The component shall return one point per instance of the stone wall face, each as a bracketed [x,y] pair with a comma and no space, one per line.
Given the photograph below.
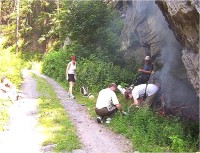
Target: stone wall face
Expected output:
[141,34]
[183,19]
[191,62]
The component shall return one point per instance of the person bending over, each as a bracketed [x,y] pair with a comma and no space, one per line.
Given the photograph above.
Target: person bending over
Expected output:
[107,104]
[143,94]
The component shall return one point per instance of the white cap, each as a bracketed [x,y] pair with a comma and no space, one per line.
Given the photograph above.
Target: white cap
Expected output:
[147,58]
[122,90]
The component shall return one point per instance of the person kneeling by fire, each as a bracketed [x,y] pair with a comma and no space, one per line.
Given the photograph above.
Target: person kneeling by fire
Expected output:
[144,95]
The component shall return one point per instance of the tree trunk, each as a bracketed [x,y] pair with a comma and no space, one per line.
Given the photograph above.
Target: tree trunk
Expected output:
[17,24]
[58,12]
[0,10]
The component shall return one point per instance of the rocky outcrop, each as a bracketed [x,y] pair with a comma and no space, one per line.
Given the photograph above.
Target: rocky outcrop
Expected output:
[163,29]
[191,62]
[139,36]
[183,19]
[168,31]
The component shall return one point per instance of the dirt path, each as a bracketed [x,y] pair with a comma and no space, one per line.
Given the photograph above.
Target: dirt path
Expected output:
[21,135]
[96,138]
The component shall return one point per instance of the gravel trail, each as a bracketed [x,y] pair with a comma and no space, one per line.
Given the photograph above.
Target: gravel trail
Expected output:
[21,134]
[95,138]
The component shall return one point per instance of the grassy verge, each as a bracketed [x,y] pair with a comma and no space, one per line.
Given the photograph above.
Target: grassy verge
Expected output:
[4,113]
[53,118]
[148,131]
[10,66]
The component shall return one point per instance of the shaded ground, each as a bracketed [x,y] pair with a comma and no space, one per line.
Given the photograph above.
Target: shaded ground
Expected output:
[95,138]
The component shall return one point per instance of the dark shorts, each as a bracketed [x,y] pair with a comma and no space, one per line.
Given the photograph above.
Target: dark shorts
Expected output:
[71,78]
[104,112]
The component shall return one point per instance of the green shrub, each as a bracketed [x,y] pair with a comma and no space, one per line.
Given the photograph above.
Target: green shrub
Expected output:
[11,66]
[54,65]
[92,72]
[97,74]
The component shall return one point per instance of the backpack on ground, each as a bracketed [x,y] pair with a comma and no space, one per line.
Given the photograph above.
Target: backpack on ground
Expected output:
[84,91]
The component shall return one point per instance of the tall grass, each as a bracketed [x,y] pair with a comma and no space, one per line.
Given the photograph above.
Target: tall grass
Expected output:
[4,113]
[54,120]
[10,66]
[150,132]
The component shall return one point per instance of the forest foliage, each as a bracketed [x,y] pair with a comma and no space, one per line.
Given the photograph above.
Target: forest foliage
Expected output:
[51,31]
[83,28]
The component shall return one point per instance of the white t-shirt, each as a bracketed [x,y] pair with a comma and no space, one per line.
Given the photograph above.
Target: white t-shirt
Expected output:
[138,91]
[106,98]
[72,68]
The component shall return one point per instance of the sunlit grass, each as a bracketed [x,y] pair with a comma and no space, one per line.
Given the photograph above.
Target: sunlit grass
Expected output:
[54,121]
[148,131]
[4,113]
[10,66]
[89,103]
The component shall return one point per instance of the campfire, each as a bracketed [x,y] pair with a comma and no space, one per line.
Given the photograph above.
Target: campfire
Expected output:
[186,112]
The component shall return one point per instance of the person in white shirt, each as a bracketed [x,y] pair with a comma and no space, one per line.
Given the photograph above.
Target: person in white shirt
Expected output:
[71,75]
[138,94]
[107,104]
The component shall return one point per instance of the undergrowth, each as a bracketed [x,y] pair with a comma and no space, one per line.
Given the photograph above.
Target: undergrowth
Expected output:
[4,113]
[148,131]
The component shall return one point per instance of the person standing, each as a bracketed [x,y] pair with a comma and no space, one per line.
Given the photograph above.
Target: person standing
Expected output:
[107,104]
[71,75]
[145,72]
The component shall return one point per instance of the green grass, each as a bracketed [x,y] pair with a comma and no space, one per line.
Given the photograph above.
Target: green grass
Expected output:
[148,131]
[54,120]
[89,103]
[10,66]
[154,132]
[4,113]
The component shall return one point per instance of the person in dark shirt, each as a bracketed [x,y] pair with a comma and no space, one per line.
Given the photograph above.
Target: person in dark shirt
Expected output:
[145,72]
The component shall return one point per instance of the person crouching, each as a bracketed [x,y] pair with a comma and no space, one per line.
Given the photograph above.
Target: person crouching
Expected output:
[107,104]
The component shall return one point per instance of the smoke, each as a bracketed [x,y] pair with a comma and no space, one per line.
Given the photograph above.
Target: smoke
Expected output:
[174,83]
[173,77]
[173,73]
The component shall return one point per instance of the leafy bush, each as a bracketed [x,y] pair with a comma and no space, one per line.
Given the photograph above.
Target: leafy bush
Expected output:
[11,66]
[92,72]
[97,74]
[54,65]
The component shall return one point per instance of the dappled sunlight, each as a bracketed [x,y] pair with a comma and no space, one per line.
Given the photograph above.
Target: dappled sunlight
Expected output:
[22,132]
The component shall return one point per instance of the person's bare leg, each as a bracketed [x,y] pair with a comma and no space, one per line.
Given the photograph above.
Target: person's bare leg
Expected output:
[71,85]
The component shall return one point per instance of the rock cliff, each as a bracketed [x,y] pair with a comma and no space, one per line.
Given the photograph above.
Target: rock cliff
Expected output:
[168,31]
[183,19]
[163,29]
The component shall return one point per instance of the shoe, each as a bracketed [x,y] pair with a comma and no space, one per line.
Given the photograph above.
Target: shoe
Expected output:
[99,120]
[71,96]
[68,96]
[108,120]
